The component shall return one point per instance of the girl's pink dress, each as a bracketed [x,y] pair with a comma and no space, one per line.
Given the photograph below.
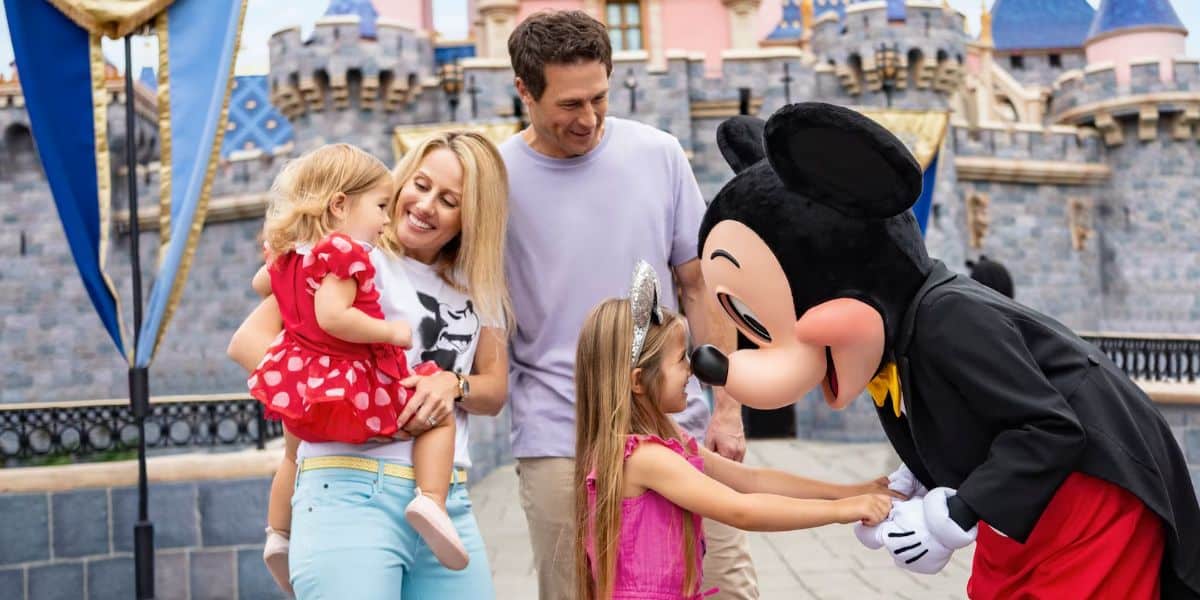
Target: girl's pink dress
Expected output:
[649,563]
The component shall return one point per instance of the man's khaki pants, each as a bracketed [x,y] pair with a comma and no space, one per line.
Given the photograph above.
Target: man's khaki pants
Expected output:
[548,497]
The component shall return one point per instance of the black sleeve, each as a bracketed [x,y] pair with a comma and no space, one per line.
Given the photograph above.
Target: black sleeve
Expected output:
[982,354]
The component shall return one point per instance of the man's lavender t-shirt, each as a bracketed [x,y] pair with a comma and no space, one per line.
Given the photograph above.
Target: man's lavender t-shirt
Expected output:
[576,229]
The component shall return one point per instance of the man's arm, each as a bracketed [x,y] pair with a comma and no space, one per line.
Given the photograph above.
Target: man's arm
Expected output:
[725,434]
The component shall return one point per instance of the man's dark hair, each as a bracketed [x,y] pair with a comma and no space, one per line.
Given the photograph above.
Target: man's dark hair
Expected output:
[992,274]
[556,38]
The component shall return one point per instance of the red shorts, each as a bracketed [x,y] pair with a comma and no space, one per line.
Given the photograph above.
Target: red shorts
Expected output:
[1094,540]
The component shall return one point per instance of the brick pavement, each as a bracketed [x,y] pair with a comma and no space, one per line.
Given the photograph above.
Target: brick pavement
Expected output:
[825,563]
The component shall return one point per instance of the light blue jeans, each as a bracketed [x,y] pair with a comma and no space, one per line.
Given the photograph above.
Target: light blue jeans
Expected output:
[350,540]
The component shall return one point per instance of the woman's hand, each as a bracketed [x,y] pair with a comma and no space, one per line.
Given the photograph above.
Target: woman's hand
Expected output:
[431,401]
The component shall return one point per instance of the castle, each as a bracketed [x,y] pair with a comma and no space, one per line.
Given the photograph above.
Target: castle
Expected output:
[1061,141]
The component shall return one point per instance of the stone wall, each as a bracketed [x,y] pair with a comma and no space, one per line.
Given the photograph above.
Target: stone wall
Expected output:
[1037,69]
[208,533]
[1150,248]
[1029,230]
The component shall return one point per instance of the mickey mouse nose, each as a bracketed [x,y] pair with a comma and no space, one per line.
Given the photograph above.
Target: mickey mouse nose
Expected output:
[710,365]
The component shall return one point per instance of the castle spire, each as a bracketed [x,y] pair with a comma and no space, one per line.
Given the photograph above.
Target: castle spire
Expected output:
[985,25]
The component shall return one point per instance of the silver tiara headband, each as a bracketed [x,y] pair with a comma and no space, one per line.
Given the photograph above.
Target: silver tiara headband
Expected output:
[643,303]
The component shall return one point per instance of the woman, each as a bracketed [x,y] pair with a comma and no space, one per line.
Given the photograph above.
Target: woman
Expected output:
[348,533]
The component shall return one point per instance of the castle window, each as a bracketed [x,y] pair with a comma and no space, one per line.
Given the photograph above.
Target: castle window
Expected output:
[1017,62]
[1056,61]
[625,24]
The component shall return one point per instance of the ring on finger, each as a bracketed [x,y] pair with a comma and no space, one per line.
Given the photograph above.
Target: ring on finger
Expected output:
[431,420]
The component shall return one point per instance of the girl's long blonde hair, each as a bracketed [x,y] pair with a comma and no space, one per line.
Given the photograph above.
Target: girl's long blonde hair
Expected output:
[301,194]
[606,412]
[472,262]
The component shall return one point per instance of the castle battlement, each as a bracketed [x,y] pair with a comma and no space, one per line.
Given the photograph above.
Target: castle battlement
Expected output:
[337,68]
[1028,142]
[1095,98]
[929,46]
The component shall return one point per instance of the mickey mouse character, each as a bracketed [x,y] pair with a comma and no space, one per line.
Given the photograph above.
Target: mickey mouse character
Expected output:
[1032,443]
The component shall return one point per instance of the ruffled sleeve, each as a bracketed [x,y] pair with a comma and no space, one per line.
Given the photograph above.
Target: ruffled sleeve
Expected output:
[340,255]
[632,442]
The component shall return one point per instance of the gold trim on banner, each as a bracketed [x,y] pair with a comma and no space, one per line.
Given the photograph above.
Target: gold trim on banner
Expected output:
[111,18]
[406,137]
[921,130]
[185,264]
[97,64]
[164,137]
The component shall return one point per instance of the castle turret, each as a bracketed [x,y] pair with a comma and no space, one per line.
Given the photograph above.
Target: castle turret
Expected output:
[1128,31]
[1141,94]
[354,79]
[889,54]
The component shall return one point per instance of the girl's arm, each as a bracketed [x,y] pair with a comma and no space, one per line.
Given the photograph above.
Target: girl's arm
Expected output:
[336,314]
[262,282]
[489,377]
[771,481]
[655,467]
[252,338]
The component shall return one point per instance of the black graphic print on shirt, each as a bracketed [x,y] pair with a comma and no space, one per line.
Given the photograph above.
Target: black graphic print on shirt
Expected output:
[446,332]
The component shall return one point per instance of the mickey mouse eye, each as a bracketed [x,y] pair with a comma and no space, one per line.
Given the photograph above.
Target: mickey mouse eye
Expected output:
[743,316]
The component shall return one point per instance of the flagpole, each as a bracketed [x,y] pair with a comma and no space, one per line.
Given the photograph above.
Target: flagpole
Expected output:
[139,387]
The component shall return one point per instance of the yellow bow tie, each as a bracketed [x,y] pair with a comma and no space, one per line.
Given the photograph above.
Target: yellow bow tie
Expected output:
[886,383]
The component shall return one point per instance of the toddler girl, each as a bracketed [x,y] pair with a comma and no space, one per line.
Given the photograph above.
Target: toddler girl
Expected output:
[333,374]
[644,484]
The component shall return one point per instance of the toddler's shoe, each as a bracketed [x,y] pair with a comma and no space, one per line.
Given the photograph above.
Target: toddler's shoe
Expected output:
[275,554]
[434,526]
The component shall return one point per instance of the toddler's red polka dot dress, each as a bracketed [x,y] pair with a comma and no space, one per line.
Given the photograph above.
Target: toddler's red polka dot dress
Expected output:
[325,389]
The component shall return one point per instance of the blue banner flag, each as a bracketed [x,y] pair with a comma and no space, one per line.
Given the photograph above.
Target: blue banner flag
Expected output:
[62,76]
[199,41]
[925,203]
[55,63]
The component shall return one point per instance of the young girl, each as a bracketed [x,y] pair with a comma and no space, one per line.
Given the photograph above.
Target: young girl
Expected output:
[644,485]
[335,372]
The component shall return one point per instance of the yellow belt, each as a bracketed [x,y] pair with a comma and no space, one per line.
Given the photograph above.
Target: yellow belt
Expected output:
[370,465]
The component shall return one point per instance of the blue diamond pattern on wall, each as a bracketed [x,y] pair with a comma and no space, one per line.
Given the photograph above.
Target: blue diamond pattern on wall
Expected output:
[254,123]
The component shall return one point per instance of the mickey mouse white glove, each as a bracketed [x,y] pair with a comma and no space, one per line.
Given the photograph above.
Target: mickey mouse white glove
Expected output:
[903,481]
[921,535]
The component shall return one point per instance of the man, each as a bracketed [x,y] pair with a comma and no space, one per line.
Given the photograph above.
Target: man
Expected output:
[589,197]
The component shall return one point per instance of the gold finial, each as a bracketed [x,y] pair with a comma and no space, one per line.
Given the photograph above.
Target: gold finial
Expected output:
[806,11]
[985,25]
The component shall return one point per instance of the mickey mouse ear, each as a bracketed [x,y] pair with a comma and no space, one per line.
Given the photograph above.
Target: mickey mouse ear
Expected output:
[842,159]
[740,140]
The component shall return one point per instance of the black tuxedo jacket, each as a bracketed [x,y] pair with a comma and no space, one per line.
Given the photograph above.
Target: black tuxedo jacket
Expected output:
[1003,403]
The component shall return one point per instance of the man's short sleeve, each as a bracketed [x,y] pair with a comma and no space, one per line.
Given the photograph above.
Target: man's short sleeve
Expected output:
[689,209]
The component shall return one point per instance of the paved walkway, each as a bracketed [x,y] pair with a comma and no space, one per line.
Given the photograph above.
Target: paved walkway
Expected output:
[825,563]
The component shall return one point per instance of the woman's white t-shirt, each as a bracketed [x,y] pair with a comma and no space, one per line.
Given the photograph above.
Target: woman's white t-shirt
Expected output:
[445,330]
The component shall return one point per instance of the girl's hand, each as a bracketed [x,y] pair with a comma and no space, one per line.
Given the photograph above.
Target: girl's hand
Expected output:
[401,334]
[431,401]
[870,509]
[875,486]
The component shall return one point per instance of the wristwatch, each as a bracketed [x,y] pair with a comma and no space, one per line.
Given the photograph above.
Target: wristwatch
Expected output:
[464,387]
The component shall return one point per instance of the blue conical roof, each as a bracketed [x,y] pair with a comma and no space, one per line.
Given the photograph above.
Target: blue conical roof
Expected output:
[1034,24]
[1115,15]
[363,9]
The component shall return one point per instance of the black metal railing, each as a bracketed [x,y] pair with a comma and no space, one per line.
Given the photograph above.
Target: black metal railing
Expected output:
[1156,357]
[45,433]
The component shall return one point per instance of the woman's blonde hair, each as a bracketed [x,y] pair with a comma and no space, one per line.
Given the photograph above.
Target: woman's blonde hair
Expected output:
[302,192]
[472,262]
[606,412]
